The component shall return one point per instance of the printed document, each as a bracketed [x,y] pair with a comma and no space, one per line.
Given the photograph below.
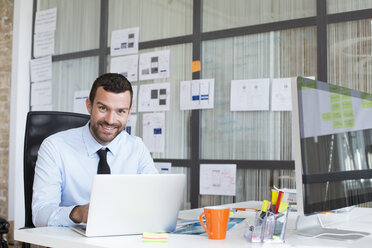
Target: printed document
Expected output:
[45,20]
[197,94]
[154,65]
[218,179]
[126,66]
[250,94]
[154,97]
[41,69]
[153,131]
[124,41]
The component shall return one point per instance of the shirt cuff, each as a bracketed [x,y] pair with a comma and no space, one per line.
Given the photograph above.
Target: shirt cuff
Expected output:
[61,217]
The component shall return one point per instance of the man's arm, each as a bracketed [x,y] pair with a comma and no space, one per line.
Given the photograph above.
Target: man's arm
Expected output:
[47,189]
[146,163]
[79,214]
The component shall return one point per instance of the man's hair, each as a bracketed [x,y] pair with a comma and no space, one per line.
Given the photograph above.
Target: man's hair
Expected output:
[112,82]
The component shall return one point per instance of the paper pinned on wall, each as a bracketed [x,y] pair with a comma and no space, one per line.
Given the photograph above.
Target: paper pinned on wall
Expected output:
[41,93]
[154,97]
[134,100]
[153,131]
[197,94]
[43,44]
[124,41]
[130,127]
[41,69]
[218,179]
[45,20]
[154,65]
[80,98]
[250,94]
[126,66]
[163,168]
[281,99]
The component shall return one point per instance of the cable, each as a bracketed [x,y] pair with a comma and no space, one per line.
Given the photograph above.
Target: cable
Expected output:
[336,234]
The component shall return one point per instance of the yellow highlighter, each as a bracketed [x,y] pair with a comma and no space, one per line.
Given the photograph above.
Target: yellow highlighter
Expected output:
[274,198]
[264,208]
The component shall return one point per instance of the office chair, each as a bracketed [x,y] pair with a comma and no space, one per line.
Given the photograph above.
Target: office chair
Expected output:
[39,125]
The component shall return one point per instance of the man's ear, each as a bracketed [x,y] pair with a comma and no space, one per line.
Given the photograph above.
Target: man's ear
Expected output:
[88,104]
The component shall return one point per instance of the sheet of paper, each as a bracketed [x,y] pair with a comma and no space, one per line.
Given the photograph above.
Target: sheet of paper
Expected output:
[126,66]
[281,99]
[134,99]
[42,107]
[153,131]
[154,65]
[163,168]
[218,179]
[43,44]
[41,93]
[41,69]
[79,101]
[130,127]
[250,94]
[45,20]
[154,97]
[124,41]
[197,94]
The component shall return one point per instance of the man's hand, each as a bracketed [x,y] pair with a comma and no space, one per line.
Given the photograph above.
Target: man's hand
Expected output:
[79,214]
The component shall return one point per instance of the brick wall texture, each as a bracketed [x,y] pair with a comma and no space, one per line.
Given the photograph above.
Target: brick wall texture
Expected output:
[6,29]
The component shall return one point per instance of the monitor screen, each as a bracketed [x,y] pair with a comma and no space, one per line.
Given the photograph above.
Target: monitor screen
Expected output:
[332,135]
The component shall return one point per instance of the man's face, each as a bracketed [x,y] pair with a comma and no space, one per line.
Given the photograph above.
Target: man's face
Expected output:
[108,114]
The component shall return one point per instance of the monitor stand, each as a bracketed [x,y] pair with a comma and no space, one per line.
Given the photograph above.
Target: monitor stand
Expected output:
[312,226]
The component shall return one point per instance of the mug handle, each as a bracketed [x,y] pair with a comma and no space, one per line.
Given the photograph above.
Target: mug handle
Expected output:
[202,223]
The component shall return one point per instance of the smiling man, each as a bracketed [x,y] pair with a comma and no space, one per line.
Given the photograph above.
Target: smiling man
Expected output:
[68,161]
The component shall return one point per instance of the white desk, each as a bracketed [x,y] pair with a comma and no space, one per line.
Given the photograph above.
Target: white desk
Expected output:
[358,219]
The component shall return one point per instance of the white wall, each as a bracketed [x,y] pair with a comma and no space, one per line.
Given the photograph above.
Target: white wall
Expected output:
[19,106]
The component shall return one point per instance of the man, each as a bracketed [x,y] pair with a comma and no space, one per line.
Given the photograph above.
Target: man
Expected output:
[68,161]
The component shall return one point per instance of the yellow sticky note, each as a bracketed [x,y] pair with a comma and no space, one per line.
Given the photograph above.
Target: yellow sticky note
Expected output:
[348,113]
[154,237]
[326,116]
[335,107]
[335,98]
[336,115]
[367,104]
[349,123]
[195,66]
[337,124]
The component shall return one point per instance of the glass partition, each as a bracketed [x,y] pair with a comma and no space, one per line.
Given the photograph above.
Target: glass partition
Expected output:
[337,6]
[70,76]
[157,19]
[77,26]
[264,135]
[221,14]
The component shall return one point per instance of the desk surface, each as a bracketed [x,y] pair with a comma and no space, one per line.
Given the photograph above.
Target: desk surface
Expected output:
[358,219]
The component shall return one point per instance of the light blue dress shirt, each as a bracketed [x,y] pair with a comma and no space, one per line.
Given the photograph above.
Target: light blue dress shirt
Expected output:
[66,165]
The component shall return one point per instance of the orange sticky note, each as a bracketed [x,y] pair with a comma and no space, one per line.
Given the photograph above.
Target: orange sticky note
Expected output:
[195,66]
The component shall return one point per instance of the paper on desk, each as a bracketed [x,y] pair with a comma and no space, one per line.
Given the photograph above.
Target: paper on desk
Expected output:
[45,20]
[41,93]
[124,41]
[126,66]
[197,94]
[41,69]
[281,99]
[130,127]
[154,65]
[218,179]
[250,94]
[153,131]
[43,44]
[154,97]
[80,98]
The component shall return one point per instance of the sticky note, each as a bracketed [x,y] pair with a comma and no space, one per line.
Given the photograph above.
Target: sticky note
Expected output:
[195,66]
[349,123]
[154,237]
[326,116]
[337,124]
[367,104]
[348,113]
[335,107]
[336,115]
[347,105]
[335,98]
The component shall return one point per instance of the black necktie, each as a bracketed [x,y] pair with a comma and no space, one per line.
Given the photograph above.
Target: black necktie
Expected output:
[103,167]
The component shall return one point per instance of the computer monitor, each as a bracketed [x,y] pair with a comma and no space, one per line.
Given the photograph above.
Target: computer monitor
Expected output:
[332,141]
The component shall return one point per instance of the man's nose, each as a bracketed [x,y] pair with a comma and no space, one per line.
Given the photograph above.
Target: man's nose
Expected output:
[110,117]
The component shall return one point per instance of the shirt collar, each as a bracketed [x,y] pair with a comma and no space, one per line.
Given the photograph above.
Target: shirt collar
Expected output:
[92,145]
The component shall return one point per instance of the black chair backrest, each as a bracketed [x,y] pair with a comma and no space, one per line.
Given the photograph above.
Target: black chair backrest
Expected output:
[39,125]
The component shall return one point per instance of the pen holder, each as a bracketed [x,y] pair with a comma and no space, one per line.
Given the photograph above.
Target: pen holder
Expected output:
[267,227]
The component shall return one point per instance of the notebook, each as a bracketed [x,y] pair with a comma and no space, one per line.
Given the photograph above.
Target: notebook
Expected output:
[133,204]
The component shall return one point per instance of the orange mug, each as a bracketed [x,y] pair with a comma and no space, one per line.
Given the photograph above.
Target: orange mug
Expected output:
[216,219]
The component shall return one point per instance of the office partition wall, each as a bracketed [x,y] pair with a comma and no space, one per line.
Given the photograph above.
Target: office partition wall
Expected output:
[236,39]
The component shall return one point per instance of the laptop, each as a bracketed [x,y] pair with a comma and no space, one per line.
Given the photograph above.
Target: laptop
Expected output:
[133,204]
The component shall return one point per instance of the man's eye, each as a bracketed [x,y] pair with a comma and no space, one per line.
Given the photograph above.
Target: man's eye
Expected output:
[102,108]
[122,111]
